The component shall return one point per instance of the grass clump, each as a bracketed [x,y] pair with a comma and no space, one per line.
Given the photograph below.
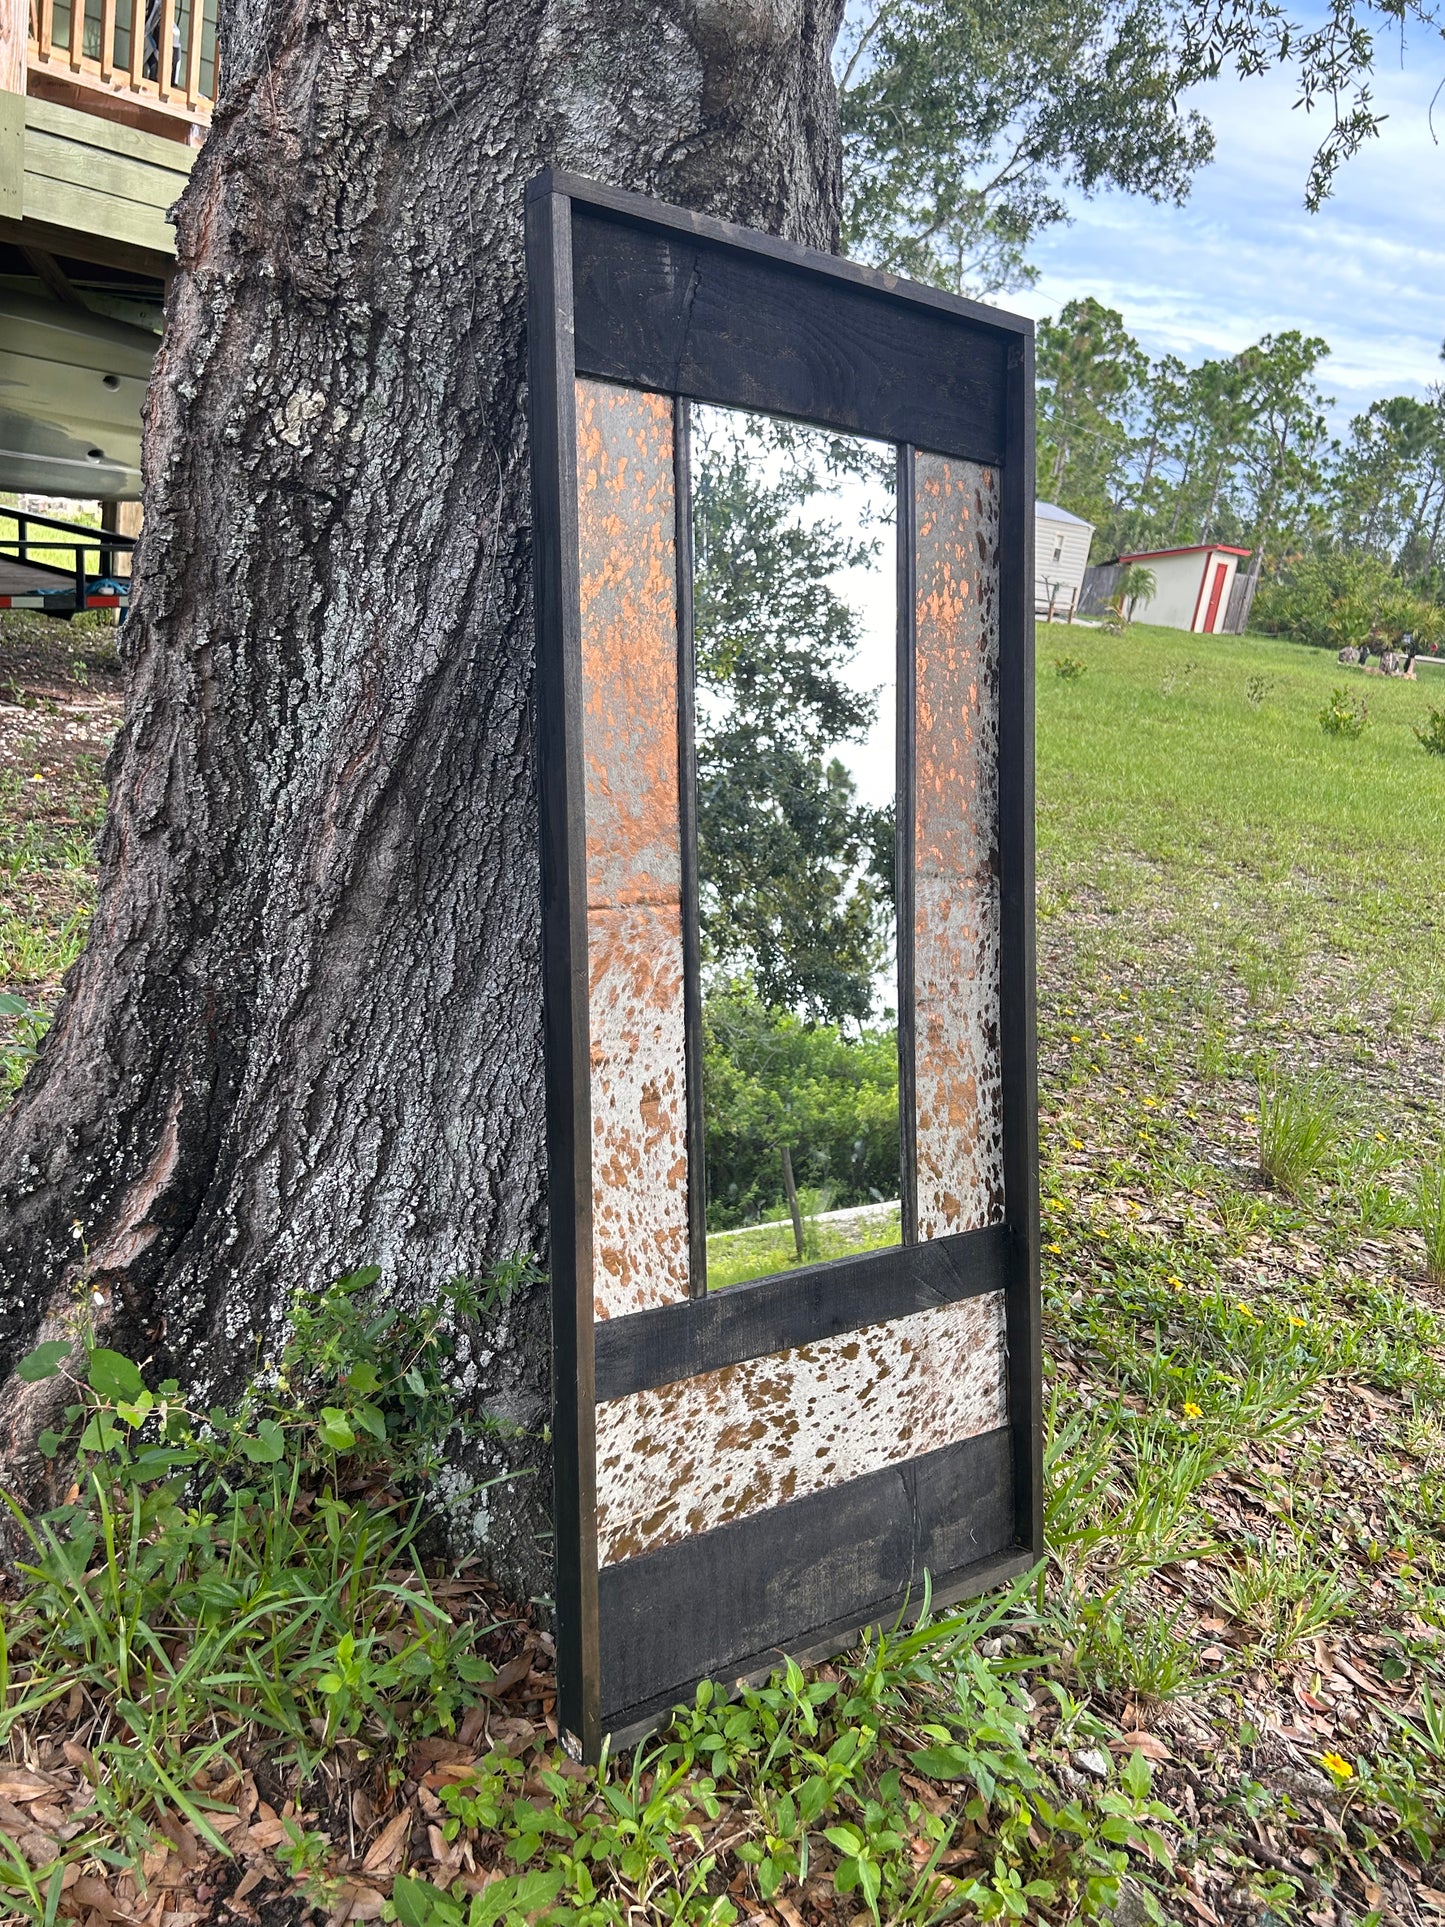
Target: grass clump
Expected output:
[1430,1216]
[1298,1129]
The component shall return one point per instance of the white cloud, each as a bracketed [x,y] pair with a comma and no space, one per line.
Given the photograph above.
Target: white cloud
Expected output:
[1243,257]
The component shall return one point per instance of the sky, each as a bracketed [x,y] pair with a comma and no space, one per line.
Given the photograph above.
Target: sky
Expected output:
[1243,257]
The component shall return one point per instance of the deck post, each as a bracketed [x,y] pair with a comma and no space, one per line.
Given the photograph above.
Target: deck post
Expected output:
[14,35]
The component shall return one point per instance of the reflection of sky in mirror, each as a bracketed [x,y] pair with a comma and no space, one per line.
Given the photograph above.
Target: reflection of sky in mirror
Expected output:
[854,503]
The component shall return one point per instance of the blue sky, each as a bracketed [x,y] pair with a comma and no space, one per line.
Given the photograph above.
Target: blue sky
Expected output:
[1242,257]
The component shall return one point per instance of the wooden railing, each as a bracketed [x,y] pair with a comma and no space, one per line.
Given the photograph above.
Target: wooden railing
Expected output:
[156,56]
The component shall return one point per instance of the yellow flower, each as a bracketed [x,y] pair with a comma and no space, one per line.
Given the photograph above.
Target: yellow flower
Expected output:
[1178,1283]
[1056,1249]
[1074,1037]
[1336,1765]
[1056,1204]
[1298,1323]
[1245,1311]
[1191,1410]
[1076,1144]
[1138,1040]
[1380,1137]
[1149,1103]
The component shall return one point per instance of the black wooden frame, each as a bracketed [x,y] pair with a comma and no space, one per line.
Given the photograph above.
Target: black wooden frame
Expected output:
[629,290]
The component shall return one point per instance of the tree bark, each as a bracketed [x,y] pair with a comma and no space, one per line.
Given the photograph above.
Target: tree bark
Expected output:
[306,1031]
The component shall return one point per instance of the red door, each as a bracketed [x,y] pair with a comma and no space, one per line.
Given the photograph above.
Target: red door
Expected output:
[1221,570]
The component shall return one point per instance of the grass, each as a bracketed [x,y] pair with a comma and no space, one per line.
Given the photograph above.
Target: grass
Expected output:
[1222,1699]
[1298,1127]
[59,703]
[764,1250]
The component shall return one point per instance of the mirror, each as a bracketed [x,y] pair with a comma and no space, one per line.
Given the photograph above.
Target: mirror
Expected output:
[795,644]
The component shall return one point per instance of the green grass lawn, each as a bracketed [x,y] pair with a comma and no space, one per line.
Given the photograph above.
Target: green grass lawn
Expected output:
[1204,755]
[1222,1698]
[1239,951]
[763,1250]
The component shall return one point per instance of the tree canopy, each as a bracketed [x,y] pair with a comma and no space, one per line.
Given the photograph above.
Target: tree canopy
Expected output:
[968,124]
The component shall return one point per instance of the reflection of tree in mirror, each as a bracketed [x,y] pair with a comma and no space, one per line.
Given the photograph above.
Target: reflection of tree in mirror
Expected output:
[795,867]
[774,1082]
[796,873]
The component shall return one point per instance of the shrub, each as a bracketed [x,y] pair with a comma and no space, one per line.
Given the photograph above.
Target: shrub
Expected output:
[1337,601]
[1068,668]
[1432,736]
[772,1079]
[1298,1128]
[1342,716]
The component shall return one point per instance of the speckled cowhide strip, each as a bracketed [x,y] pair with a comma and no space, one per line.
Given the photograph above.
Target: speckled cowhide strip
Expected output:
[693,1455]
[956,897]
[628,573]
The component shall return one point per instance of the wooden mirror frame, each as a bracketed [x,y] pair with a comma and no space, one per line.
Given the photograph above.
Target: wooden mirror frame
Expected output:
[625,293]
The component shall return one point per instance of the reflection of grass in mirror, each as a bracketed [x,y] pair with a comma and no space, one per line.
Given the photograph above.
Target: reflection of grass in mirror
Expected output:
[763,1250]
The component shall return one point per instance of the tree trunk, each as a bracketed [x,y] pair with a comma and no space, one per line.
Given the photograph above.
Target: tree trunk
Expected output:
[790,1191]
[306,1033]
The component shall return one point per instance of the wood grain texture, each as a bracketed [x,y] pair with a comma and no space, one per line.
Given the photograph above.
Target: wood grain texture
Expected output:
[803,1576]
[690,1457]
[682,314]
[628,592]
[956,922]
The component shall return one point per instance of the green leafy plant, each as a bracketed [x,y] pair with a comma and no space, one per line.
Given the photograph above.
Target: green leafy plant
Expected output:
[1344,715]
[27,1026]
[1431,735]
[1069,668]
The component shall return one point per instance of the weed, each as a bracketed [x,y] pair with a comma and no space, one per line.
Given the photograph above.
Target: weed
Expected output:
[17,1053]
[1282,1595]
[1344,715]
[1431,735]
[1298,1128]
[1256,689]
[1069,668]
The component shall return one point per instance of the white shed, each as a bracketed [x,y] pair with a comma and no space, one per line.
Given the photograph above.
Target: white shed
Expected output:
[1061,554]
[1191,586]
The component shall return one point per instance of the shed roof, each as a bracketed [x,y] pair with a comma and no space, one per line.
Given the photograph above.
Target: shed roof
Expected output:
[1190,548]
[1051,512]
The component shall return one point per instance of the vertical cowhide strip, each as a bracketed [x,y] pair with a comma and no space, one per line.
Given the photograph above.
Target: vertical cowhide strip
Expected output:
[956,895]
[628,572]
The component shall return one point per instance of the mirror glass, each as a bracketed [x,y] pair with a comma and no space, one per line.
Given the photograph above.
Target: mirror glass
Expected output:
[795,628]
